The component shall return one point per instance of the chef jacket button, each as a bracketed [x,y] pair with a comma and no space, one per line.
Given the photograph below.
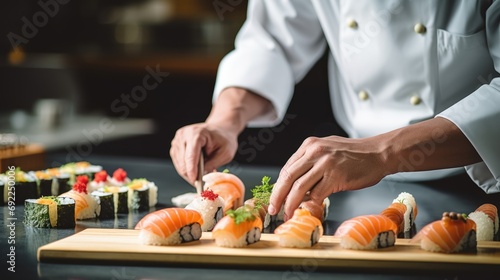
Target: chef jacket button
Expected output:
[415,100]
[419,28]
[363,95]
[351,23]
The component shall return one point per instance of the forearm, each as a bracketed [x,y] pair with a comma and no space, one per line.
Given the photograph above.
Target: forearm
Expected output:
[429,145]
[235,107]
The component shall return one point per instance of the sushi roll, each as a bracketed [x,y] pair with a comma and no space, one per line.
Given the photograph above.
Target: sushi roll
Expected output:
[4,190]
[318,210]
[454,233]
[61,183]
[138,195]
[86,205]
[50,212]
[119,178]
[367,232]
[260,201]
[228,186]
[142,194]
[120,198]
[239,228]
[44,181]
[486,219]
[211,207]
[303,230]
[170,226]
[100,180]
[106,204]
[25,186]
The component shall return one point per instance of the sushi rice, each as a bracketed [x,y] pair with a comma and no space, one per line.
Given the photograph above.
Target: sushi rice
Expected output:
[211,210]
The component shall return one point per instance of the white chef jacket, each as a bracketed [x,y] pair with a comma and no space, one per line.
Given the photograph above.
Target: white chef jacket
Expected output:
[391,64]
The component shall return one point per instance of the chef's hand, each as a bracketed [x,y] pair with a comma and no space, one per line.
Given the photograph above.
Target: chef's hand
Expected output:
[219,147]
[218,135]
[324,166]
[333,164]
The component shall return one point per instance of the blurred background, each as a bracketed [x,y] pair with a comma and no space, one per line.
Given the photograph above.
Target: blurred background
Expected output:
[78,77]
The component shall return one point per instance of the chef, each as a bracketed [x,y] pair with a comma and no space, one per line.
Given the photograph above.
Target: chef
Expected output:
[413,83]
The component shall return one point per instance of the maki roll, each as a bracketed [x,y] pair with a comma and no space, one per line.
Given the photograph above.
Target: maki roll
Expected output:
[25,186]
[44,181]
[142,194]
[50,212]
[211,207]
[86,205]
[4,190]
[100,180]
[138,195]
[454,233]
[61,183]
[239,228]
[106,204]
[120,198]
[119,178]
[170,226]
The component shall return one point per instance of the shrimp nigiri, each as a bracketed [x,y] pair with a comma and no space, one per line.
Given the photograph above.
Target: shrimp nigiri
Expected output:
[367,232]
[170,226]
[228,186]
[454,233]
[486,218]
[302,230]
[238,228]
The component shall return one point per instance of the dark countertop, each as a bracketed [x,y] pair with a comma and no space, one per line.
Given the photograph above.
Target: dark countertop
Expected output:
[457,194]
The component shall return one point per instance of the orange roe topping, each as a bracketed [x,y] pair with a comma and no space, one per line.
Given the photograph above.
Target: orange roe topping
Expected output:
[101,176]
[209,194]
[81,184]
[120,175]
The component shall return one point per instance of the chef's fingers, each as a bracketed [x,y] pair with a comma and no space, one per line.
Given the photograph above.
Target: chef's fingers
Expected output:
[192,155]
[300,187]
[286,179]
[177,155]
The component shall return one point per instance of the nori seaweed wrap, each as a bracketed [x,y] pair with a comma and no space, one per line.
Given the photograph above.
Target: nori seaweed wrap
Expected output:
[50,212]
[138,195]
[25,186]
[120,198]
[106,204]
[44,181]
[61,183]
[3,192]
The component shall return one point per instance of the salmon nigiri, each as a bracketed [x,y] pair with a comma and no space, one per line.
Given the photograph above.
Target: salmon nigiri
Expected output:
[238,228]
[452,234]
[170,226]
[396,212]
[486,219]
[302,230]
[367,232]
[230,188]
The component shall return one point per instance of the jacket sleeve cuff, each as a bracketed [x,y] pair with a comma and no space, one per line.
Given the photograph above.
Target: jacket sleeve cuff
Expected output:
[477,117]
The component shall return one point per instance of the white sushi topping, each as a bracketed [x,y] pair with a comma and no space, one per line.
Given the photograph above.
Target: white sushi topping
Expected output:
[484,226]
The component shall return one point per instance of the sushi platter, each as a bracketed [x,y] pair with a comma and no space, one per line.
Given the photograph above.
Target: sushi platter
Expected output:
[122,246]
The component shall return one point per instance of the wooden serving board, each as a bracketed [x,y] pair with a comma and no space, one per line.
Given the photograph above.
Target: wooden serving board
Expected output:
[121,246]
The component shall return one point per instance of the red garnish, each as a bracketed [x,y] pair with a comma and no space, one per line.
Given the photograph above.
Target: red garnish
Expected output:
[101,176]
[120,175]
[81,184]
[209,194]
[83,178]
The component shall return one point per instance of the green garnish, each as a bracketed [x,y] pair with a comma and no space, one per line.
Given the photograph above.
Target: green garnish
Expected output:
[225,171]
[262,193]
[242,214]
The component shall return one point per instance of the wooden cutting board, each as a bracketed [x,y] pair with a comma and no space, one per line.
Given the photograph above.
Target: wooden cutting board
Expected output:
[121,246]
